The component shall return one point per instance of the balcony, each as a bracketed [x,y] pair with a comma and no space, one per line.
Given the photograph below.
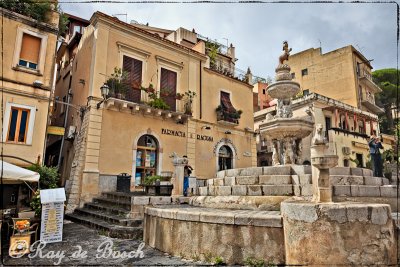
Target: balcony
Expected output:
[366,79]
[228,118]
[339,131]
[139,102]
[368,100]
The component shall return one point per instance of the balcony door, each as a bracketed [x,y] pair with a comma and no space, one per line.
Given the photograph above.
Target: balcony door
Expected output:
[133,68]
[168,87]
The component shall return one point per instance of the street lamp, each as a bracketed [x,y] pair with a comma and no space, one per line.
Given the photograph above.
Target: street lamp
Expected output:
[104,92]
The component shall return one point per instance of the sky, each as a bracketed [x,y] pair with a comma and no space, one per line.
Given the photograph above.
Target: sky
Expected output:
[257,30]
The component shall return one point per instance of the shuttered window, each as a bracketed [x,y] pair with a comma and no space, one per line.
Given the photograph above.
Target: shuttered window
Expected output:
[133,68]
[30,49]
[18,126]
[168,84]
[226,102]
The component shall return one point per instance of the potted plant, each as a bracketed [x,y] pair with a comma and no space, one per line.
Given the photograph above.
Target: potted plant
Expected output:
[118,83]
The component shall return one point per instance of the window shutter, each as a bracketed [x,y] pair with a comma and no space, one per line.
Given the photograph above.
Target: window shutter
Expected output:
[134,69]
[168,82]
[30,48]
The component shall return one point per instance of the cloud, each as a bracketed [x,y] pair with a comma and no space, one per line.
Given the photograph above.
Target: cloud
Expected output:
[257,30]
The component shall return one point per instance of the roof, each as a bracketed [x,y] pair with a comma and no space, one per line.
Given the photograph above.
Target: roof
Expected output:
[85,21]
[154,36]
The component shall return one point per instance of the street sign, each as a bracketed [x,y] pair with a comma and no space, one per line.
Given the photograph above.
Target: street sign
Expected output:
[56,130]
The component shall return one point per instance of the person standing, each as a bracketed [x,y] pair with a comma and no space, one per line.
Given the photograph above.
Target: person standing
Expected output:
[187,170]
[374,146]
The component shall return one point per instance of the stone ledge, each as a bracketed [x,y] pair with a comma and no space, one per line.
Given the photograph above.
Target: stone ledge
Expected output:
[275,179]
[218,216]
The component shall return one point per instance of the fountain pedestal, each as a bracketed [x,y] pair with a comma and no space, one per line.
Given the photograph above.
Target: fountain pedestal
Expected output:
[338,234]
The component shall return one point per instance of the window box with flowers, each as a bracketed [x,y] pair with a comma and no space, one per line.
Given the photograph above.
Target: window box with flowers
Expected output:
[230,116]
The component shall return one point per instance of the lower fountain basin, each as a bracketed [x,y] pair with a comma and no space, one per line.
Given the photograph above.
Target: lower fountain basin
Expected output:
[281,128]
[325,161]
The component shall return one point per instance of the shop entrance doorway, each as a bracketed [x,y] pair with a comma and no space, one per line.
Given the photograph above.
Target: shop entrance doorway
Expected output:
[146,158]
[225,158]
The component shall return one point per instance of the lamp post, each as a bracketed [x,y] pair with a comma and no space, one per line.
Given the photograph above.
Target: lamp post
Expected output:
[104,92]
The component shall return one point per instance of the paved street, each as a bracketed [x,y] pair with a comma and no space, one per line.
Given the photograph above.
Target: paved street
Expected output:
[89,240]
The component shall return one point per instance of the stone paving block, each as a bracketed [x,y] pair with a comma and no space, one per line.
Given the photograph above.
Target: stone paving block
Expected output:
[275,179]
[341,190]
[367,172]
[277,170]
[210,181]
[277,190]
[201,182]
[385,181]
[160,200]
[258,219]
[188,215]
[251,171]
[340,171]
[305,179]
[218,181]
[203,191]
[368,180]
[232,172]
[356,171]
[140,200]
[346,180]
[217,217]
[357,213]
[306,190]
[247,180]
[230,181]
[301,169]
[365,191]
[388,191]
[379,215]
[211,190]
[239,190]
[223,190]
[254,190]
[221,174]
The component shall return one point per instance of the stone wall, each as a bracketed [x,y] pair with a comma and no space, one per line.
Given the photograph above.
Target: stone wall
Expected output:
[208,235]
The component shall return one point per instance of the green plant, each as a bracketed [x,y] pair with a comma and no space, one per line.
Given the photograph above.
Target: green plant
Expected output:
[208,257]
[196,257]
[213,50]
[252,262]
[48,176]
[149,180]
[158,103]
[118,82]
[62,23]
[218,260]
[35,203]
[32,8]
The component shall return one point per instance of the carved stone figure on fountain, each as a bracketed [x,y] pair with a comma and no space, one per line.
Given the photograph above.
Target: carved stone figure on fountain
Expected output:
[275,155]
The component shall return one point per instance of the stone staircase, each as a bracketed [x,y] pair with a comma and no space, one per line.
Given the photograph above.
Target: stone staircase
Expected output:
[111,214]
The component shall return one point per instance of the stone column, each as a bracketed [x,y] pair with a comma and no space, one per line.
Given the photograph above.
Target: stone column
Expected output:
[177,180]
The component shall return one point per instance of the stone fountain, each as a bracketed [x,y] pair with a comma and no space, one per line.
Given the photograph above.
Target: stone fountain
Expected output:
[283,130]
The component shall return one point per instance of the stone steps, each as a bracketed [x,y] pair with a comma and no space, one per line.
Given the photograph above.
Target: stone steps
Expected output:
[387,191]
[111,218]
[110,202]
[247,190]
[112,230]
[106,208]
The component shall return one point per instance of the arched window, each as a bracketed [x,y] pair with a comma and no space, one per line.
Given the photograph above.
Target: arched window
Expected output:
[225,158]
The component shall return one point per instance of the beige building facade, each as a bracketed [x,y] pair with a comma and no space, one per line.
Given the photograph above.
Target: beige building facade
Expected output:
[125,134]
[27,78]
[343,74]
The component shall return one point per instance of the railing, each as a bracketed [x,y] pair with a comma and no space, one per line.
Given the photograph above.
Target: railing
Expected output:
[227,117]
[347,132]
[367,96]
[140,97]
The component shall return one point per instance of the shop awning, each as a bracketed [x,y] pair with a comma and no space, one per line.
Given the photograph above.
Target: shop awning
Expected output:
[13,174]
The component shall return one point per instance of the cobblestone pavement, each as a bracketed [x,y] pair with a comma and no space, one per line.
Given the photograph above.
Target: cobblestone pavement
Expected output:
[75,235]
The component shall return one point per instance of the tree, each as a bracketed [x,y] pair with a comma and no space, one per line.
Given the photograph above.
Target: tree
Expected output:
[386,79]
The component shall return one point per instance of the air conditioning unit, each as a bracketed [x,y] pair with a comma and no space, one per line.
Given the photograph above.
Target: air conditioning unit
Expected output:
[71,132]
[346,150]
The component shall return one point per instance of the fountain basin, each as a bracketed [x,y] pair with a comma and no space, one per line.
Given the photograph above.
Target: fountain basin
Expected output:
[283,89]
[280,128]
[325,161]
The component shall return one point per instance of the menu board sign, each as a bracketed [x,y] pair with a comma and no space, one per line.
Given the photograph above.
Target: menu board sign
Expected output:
[52,222]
